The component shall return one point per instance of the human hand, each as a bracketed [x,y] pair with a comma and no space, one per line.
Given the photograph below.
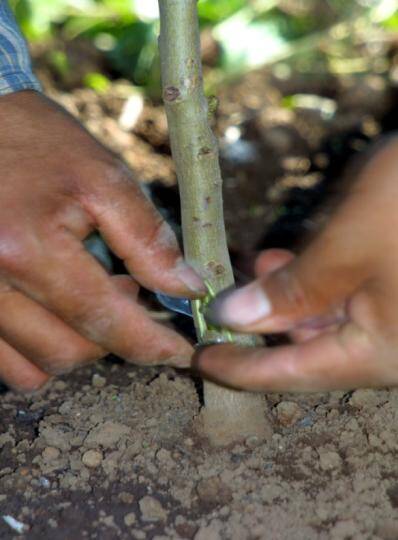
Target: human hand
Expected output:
[338,300]
[59,308]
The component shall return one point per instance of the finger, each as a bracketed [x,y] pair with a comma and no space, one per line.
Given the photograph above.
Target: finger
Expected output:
[74,286]
[126,285]
[137,234]
[17,372]
[41,336]
[278,301]
[45,339]
[341,360]
[266,262]
[306,287]
[271,259]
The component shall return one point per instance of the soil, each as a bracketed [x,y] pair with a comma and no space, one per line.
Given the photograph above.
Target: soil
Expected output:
[115,451]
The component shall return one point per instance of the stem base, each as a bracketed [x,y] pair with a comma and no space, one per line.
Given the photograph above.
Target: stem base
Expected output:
[231,416]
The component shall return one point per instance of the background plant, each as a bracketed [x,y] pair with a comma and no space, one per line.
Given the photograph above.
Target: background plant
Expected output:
[249,33]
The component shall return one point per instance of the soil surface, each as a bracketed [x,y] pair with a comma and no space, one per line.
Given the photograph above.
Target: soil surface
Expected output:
[115,451]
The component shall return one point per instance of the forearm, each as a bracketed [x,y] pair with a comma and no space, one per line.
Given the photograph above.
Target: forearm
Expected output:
[15,65]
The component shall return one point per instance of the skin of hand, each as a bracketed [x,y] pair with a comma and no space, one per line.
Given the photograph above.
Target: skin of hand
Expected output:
[338,299]
[59,307]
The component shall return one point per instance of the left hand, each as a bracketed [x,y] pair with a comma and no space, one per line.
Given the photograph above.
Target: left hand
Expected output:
[338,300]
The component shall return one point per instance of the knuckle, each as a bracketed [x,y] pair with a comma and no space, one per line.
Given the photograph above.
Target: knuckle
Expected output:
[159,236]
[110,185]
[93,321]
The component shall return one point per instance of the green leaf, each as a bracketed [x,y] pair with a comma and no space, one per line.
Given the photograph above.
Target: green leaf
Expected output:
[391,23]
[211,11]
[97,82]
[60,62]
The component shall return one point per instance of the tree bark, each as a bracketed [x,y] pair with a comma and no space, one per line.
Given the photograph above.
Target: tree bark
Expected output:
[228,415]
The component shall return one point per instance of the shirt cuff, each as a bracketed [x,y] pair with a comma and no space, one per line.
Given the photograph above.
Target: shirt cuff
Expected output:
[18,81]
[15,65]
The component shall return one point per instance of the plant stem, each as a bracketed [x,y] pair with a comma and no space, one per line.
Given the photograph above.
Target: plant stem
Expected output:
[228,415]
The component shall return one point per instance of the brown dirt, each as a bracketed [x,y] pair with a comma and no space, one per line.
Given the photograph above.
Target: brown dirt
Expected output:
[113,451]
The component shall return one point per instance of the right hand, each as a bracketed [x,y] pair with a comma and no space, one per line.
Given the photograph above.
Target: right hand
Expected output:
[59,308]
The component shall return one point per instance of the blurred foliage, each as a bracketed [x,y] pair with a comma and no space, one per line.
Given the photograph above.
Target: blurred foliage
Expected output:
[249,32]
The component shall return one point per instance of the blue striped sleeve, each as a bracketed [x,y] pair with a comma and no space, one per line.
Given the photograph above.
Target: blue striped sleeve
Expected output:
[15,65]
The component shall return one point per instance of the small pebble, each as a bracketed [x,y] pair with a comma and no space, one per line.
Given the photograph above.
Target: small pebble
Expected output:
[129,519]
[45,482]
[109,521]
[252,442]
[97,381]
[209,532]
[60,385]
[329,460]
[139,535]
[151,509]
[213,491]
[288,413]
[50,453]
[92,458]
[165,457]
[365,398]
[125,497]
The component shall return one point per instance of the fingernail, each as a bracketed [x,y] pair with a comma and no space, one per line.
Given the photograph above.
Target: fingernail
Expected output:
[240,307]
[187,275]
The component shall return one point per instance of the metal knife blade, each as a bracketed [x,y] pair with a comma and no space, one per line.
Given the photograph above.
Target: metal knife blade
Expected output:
[178,305]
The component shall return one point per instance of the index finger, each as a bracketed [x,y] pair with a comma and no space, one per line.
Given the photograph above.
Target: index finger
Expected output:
[136,232]
[341,360]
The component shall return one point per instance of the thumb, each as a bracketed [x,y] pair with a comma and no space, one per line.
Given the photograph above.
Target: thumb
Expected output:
[337,262]
[293,291]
